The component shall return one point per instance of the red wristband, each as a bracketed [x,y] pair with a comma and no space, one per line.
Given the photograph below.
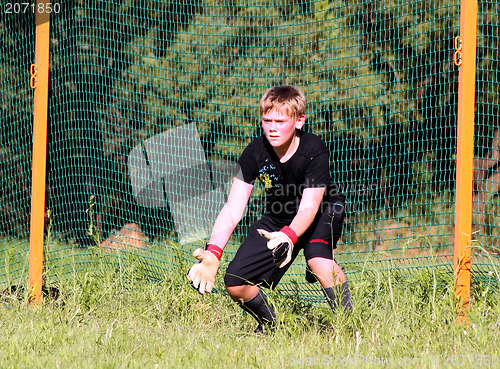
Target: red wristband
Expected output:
[214,249]
[290,233]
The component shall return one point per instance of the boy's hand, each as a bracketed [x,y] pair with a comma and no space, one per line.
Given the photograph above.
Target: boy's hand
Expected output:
[202,273]
[280,244]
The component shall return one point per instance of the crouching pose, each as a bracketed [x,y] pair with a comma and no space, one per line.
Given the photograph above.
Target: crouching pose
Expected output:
[303,212]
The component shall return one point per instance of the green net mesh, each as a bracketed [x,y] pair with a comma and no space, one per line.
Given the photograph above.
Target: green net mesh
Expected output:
[152,102]
[486,150]
[17,35]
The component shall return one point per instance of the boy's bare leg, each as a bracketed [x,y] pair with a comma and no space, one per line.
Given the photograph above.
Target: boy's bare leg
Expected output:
[242,293]
[327,272]
[334,283]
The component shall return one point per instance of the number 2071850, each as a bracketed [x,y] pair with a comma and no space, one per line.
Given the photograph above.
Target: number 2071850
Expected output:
[22,8]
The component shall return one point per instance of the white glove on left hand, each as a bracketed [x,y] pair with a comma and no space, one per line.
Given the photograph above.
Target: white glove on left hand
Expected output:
[202,274]
[280,244]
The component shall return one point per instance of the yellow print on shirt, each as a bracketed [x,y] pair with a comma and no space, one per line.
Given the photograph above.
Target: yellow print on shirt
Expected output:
[266,180]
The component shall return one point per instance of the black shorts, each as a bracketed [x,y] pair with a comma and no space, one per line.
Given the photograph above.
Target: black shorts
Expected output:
[253,262]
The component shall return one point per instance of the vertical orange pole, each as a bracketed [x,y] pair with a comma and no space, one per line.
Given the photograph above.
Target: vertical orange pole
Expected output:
[40,82]
[465,57]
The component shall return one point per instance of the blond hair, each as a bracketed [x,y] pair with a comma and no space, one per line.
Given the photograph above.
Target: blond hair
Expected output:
[287,99]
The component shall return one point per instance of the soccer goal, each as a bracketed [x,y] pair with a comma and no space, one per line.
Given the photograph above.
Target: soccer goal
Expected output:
[148,105]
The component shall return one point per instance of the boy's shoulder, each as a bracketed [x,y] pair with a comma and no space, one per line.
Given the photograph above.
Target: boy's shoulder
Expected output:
[254,150]
[311,137]
[312,143]
[256,145]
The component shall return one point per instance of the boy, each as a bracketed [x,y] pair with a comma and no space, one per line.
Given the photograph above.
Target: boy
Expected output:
[303,212]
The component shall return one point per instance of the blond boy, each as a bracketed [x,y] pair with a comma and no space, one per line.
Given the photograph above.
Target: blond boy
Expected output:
[303,212]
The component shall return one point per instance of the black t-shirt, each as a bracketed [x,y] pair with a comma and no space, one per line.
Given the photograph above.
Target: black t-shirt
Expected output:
[285,182]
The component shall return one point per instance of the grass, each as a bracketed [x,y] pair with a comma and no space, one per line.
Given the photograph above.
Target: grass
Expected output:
[115,316]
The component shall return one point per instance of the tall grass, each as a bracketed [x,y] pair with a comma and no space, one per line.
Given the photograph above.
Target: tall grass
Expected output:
[118,318]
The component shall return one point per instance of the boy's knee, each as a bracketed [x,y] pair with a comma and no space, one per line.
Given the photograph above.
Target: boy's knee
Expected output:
[317,263]
[242,293]
[232,291]
[315,268]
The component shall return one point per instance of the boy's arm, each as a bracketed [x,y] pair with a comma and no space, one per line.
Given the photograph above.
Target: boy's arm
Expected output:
[308,208]
[202,273]
[231,213]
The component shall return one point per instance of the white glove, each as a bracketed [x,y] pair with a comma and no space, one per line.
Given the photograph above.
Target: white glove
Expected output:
[280,244]
[202,273]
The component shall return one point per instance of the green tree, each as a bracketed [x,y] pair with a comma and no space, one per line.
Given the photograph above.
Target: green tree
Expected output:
[378,75]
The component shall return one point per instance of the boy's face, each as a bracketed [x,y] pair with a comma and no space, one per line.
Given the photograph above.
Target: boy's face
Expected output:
[279,128]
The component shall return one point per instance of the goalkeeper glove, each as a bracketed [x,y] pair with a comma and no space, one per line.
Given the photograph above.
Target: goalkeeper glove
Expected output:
[281,244]
[202,273]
